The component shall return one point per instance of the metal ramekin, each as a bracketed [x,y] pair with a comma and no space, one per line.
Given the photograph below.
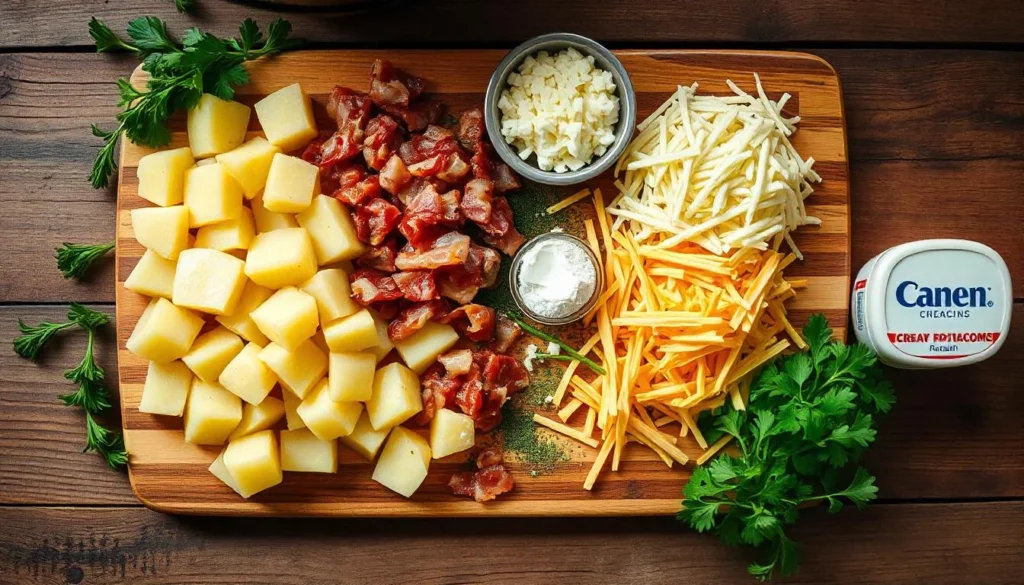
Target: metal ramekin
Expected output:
[513,280]
[604,59]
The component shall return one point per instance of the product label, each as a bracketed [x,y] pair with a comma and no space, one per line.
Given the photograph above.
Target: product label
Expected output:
[859,289]
[944,304]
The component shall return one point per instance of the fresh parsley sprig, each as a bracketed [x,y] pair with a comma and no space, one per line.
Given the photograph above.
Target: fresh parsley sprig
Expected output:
[185,6]
[74,260]
[180,73]
[809,418]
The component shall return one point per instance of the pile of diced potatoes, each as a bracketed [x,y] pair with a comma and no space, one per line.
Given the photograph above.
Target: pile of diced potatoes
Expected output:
[248,264]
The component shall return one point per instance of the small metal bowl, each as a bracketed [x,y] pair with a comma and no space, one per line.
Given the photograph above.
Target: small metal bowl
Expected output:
[604,59]
[513,281]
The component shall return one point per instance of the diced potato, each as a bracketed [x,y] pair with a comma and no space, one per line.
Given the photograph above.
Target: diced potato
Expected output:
[211,414]
[403,463]
[333,232]
[350,376]
[239,322]
[291,184]
[301,450]
[254,462]
[211,195]
[247,377]
[384,343]
[166,389]
[299,370]
[451,432]
[291,406]
[211,352]
[258,417]
[364,439]
[233,234]
[216,125]
[326,418]
[288,317]
[164,332]
[162,229]
[287,118]
[268,221]
[330,288]
[153,276]
[249,164]
[209,281]
[321,341]
[353,333]
[280,258]
[420,350]
[396,396]
[162,176]
[221,472]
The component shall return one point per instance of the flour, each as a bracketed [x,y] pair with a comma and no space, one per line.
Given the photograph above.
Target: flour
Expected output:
[556,278]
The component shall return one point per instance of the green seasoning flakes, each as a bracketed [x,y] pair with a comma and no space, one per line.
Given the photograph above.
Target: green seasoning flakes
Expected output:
[519,435]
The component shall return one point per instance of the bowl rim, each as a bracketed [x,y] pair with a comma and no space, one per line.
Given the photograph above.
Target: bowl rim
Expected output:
[624,91]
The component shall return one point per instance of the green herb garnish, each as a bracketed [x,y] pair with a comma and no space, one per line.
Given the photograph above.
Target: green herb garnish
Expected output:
[185,6]
[807,423]
[571,353]
[74,260]
[180,73]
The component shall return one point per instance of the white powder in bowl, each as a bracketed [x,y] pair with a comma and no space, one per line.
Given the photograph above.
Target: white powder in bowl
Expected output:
[556,277]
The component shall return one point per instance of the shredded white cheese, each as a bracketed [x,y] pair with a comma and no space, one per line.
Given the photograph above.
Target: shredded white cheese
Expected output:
[531,354]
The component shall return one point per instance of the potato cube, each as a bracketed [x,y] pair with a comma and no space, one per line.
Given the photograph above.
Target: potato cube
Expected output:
[162,229]
[420,350]
[166,389]
[330,288]
[247,377]
[364,439]
[239,322]
[288,317]
[280,258]
[153,276]
[254,462]
[450,432]
[249,164]
[287,118]
[299,370]
[301,450]
[221,472]
[291,184]
[258,417]
[211,195]
[233,234]
[211,352]
[403,463]
[291,406]
[216,125]
[333,232]
[268,221]
[326,418]
[211,414]
[396,396]
[350,376]
[384,343]
[208,280]
[353,333]
[162,176]
[164,332]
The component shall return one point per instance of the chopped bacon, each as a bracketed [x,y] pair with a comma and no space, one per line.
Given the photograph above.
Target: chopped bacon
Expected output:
[475,322]
[500,232]
[476,200]
[417,285]
[509,243]
[506,332]
[387,310]
[470,397]
[381,257]
[428,167]
[503,371]
[488,457]
[341,146]
[394,175]
[349,106]
[412,318]
[359,193]
[311,153]
[438,389]
[491,267]
[392,86]
[375,220]
[461,283]
[489,481]
[471,129]
[434,141]
[457,361]
[490,414]
[428,206]
[371,286]
[456,290]
[485,166]
[418,116]
[383,137]
[453,169]
[420,232]
[448,250]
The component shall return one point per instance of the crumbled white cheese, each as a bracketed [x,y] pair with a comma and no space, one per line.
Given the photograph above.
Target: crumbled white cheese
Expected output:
[554,348]
[549,399]
[562,108]
[531,354]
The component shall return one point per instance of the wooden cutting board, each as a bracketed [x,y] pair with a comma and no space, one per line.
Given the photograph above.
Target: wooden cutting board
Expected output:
[169,475]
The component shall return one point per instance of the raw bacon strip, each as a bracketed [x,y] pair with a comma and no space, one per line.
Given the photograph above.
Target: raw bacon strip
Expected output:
[475,322]
[395,175]
[380,257]
[448,250]
[412,318]
[457,362]
[506,332]
[417,285]
[477,198]
[375,220]
[391,86]
[371,286]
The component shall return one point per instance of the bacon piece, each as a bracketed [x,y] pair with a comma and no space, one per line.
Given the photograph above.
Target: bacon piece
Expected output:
[433,207]
[375,220]
[470,397]
[392,86]
[438,390]
[311,153]
[381,257]
[360,192]
[500,232]
[489,416]
[475,322]
[503,371]
[491,267]
[418,116]
[347,106]
[387,310]
[476,200]
[506,332]
[412,318]
[488,457]
[453,168]
[486,166]
[448,250]
[394,175]
[483,485]
[459,292]
[508,243]
[417,285]
[428,167]
[420,232]
[457,362]
[383,137]
[341,146]
[461,283]
[471,129]
[371,286]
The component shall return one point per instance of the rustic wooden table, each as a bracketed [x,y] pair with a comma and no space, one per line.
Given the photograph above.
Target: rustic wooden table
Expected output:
[934,95]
